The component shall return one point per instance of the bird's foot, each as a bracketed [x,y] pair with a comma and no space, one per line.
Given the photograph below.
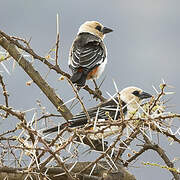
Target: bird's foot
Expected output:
[97,93]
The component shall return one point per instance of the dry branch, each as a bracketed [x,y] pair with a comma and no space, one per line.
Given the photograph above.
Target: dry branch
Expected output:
[44,151]
[162,154]
[51,172]
[29,50]
[36,77]
[5,93]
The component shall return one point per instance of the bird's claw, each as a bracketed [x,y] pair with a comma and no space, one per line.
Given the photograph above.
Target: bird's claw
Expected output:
[97,93]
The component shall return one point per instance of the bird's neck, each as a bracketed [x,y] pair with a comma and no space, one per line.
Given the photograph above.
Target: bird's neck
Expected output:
[132,110]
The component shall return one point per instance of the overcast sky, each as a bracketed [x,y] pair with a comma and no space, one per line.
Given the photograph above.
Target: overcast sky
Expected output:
[143,49]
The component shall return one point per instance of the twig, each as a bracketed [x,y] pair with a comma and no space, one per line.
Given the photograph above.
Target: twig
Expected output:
[5,58]
[137,154]
[57,47]
[158,97]
[36,77]
[16,159]
[50,145]
[24,41]
[54,154]
[77,96]
[165,132]
[47,116]
[5,93]
[127,141]
[57,39]
[102,99]
[8,132]
[31,52]
[103,154]
[120,107]
[56,68]
[15,113]
[162,154]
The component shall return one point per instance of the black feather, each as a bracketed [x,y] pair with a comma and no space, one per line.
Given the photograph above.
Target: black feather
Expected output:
[81,119]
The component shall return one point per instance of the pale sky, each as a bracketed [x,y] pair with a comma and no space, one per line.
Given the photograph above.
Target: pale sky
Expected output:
[142,50]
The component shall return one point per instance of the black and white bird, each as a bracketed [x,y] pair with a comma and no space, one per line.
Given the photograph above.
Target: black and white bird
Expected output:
[131,98]
[88,54]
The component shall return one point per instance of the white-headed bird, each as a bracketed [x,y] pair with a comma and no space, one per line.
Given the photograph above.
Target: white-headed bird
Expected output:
[131,98]
[87,58]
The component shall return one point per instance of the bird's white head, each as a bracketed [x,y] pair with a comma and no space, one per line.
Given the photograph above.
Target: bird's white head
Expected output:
[95,28]
[133,96]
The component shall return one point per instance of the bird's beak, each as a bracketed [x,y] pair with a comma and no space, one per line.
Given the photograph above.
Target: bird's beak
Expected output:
[106,30]
[144,95]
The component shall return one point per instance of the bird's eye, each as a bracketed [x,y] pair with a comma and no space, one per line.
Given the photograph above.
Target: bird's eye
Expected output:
[98,28]
[136,93]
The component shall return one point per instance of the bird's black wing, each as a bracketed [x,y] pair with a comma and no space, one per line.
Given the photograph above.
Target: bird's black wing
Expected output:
[110,106]
[87,52]
[99,112]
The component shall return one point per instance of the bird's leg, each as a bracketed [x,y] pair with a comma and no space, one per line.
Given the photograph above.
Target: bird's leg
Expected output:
[97,90]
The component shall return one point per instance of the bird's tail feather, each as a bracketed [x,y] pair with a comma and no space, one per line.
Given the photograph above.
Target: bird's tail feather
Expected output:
[56,128]
[70,124]
[76,76]
[79,78]
[50,130]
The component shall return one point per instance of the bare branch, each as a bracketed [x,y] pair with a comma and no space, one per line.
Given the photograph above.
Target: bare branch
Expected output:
[36,77]
[57,39]
[79,99]
[162,154]
[97,95]
[5,93]
[43,60]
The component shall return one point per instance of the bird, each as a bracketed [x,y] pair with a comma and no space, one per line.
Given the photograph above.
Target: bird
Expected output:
[131,98]
[88,54]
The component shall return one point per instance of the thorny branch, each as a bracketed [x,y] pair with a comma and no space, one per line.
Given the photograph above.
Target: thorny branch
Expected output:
[162,86]
[29,50]
[35,76]
[66,146]
[79,99]
[60,143]
[57,47]
[162,154]
[103,154]
[5,93]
